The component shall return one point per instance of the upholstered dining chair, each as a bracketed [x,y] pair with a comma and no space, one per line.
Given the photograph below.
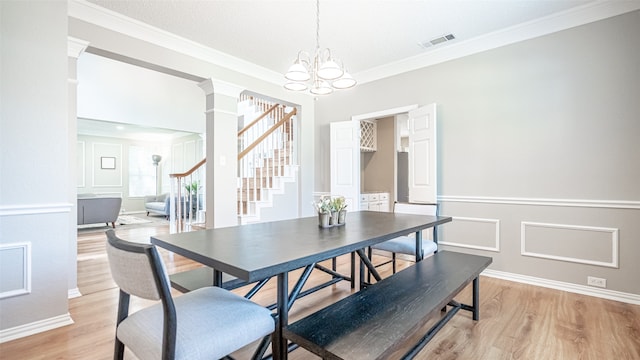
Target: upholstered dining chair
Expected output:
[407,244]
[208,323]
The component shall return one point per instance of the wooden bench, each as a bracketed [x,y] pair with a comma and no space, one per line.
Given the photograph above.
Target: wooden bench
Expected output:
[376,322]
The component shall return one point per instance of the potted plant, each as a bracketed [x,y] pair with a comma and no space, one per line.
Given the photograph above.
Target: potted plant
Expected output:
[339,207]
[323,207]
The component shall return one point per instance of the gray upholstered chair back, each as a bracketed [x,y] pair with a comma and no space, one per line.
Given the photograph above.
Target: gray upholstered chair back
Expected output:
[415,209]
[131,267]
[419,209]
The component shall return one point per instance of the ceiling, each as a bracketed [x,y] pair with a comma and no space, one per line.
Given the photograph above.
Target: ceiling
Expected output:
[364,34]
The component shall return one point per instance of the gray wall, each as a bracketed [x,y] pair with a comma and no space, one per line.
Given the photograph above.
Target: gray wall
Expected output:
[536,122]
[34,161]
[178,155]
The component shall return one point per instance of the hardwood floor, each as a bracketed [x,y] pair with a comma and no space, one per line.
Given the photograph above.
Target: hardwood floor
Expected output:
[517,321]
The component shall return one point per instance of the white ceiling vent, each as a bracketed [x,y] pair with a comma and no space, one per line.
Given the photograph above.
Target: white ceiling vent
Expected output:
[436,41]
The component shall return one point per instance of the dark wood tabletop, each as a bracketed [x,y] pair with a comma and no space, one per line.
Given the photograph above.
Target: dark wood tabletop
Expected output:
[256,251]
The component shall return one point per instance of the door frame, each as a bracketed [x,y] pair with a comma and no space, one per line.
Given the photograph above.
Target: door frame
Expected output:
[379,115]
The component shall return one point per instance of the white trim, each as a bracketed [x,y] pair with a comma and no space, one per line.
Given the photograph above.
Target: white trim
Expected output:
[591,12]
[75,47]
[565,286]
[35,327]
[114,21]
[384,113]
[81,147]
[496,222]
[611,204]
[594,11]
[220,111]
[614,243]
[74,293]
[26,269]
[226,88]
[35,209]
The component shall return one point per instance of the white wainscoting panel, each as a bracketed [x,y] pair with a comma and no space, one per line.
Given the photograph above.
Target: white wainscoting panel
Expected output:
[15,269]
[485,233]
[575,243]
[80,163]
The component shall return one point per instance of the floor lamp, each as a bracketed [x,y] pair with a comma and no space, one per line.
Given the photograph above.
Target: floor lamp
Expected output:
[156,160]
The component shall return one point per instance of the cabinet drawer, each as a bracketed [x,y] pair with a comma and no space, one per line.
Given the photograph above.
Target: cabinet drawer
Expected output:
[374,197]
[384,196]
[364,197]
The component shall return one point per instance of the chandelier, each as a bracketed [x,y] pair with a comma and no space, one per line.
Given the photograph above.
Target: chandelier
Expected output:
[322,74]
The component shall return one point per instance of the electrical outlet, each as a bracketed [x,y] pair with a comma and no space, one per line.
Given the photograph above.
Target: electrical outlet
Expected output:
[594,281]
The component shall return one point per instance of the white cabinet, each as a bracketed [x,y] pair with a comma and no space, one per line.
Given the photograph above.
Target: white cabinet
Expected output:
[374,201]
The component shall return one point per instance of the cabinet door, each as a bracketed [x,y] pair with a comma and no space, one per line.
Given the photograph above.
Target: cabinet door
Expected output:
[374,206]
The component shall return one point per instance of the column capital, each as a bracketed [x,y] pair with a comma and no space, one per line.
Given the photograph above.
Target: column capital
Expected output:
[219,87]
[75,47]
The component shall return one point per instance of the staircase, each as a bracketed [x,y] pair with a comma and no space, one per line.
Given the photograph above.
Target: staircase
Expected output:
[266,164]
[266,154]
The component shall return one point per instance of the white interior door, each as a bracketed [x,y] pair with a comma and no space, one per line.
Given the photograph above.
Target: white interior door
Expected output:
[422,155]
[345,162]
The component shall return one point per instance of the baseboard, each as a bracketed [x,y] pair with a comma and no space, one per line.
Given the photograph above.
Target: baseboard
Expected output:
[35,327]
[564,286]
[74,293]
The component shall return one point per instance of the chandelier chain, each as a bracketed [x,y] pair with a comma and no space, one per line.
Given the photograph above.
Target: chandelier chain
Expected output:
[317,25]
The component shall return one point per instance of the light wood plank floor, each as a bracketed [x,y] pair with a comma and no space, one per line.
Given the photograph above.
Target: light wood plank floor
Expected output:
[517,321]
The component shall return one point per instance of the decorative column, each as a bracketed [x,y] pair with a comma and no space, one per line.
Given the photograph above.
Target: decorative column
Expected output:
[75,47]
[222,152]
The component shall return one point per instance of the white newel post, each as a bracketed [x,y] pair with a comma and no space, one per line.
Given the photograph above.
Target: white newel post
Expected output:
[222,152]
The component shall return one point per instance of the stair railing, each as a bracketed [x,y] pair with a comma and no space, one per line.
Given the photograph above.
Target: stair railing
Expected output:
[270,149]
[188,187]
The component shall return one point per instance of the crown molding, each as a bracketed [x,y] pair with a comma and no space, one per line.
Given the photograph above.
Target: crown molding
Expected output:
[594,11]
[114,21]
[75,47]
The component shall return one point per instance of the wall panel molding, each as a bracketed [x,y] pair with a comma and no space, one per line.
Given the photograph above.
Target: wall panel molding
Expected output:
[16,261]
[35,209]
[80,163]
[614,239]
[114,177]
[611,204]
[495,222]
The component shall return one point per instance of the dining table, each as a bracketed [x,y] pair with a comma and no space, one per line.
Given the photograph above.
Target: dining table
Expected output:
[258,251]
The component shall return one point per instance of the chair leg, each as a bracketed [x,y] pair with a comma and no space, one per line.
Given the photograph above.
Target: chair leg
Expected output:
[118,351]
[393,262]
[370,255]
[353,270]
[123,312]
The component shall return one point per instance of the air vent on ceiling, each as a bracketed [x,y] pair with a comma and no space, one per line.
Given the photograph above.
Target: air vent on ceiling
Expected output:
[436,41]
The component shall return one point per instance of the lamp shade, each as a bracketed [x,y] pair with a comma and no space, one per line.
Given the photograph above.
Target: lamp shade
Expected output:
[345,82]
[330,70]
[297,72]
[296,86]
[321,87]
